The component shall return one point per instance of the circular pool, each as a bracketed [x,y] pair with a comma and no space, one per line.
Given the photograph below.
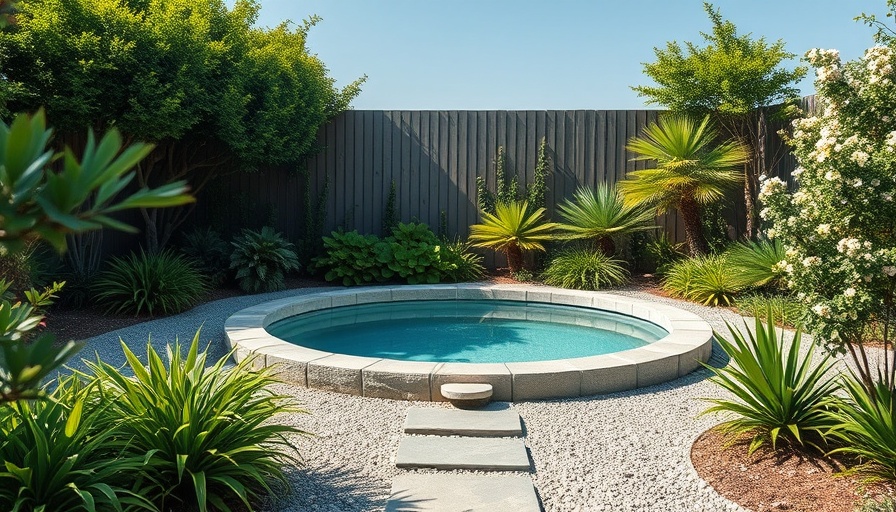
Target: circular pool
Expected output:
[529,342]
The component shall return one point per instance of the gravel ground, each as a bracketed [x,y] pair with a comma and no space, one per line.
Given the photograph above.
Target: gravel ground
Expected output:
[622,452]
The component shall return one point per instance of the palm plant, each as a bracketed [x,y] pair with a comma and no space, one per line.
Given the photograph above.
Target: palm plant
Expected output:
[756,263]
[691,171]
[513,228]
[776,393]
[602,215]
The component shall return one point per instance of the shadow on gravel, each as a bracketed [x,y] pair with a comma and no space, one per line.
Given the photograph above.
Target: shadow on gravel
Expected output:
[329,489]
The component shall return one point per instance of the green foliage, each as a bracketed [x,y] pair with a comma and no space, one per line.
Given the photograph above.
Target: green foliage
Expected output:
[756,264]
[785,309]
[513,228]
[197,77]
[390,212]
[355,259]
[36,204]
[535,191]
[704,279]
[210,252]
[776,393]
[262,259]
[523,276]
[415,253]
[81,265]
[664,252]
[884,504]
[163,283]
[602,216]
[458,263]
[866,426]
[715,227]
[693,169]
[584,269]
[732,75]
[205,434]
[311,245]
[60,454]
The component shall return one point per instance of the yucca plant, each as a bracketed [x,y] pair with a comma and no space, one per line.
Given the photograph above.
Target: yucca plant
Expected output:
[704,279]
[777,393]
[262,259]
[59,454]
[513,228]
[585,269]
[165,283]
[601,215]
[692,170]
[866,425]
[205,433]
[755,263]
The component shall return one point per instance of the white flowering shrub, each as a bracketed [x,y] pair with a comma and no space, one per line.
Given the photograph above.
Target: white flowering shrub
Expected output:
[839,227]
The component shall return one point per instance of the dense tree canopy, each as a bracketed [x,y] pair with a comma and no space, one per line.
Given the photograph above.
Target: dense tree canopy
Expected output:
[734,77]
[195,77]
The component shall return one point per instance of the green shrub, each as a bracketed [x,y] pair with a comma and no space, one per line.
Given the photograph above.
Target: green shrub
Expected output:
[777,394]
[165,283]
[704,279]
[458,263]
[414,253]
[354,258]
[210,252]
[262,259]
[866,426]
[884,504]
[585,269]
[58,454]
[523,276]
[785,309]
[755,264]
[664,253]
[205,434]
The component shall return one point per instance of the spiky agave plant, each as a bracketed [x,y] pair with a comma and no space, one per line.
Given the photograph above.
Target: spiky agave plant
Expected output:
[602,215]
[513,228]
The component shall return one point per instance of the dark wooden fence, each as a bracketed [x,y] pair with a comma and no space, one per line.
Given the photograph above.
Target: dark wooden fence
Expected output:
[434,158]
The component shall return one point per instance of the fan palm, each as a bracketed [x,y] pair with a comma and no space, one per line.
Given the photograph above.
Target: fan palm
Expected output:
[602,215]
[513,228]
[692,170]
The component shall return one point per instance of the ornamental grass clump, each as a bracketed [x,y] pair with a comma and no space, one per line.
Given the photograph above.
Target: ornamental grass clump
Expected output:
[204,434]
[585,269]
[757,264]
[777,393]
[705,279]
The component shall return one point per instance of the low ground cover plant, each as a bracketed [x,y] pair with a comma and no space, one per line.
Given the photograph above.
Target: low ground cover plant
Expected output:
[705,279]
[163,283]
[262,259]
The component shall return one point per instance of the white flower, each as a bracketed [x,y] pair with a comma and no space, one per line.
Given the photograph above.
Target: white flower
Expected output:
[890,270]
[811,260]
[822,310]
[860,157]
[875,182]
[832,175]
[823,229]
[849,246]
[850,292]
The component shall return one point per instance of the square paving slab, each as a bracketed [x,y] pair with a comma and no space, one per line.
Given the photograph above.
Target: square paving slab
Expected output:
[480,453]
[456,422]
[462,493]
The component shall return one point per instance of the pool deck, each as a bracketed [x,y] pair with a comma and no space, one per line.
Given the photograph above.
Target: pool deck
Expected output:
[688,344]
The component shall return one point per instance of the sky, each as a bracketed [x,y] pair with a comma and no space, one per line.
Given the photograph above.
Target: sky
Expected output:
[537,55]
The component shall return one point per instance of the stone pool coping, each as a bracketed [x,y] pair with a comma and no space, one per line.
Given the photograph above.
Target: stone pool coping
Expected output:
[688,343]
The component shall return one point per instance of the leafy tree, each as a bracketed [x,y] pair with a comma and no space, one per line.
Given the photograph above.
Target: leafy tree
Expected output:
[691,171]
[195,77]
[38,204]
[736,79]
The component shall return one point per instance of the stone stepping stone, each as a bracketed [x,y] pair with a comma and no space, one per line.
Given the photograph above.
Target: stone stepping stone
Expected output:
[484,454]
[467,395]
[454,493]
[458,422]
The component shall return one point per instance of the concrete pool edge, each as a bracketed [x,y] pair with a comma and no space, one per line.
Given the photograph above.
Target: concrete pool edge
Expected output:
[688,343]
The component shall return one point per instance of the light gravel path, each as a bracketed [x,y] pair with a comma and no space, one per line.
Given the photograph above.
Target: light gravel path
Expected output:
[620,452]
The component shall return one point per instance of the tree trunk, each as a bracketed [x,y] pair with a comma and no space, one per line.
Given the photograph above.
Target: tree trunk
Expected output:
[514,258]
[749,202]
[606,246]
[693,227]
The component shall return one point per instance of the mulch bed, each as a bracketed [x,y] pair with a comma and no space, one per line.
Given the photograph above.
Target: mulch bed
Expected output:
[769,481]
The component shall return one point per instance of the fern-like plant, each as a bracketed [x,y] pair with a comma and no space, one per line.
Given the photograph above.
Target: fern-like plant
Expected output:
[602,216]
[513,228]
[756,263]
[704,279]
[204,433]
[165,283]
[211,253]
[262,259]
[585,269]
[777,392]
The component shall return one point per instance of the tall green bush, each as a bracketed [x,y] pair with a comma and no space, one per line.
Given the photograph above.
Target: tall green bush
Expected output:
[355,259]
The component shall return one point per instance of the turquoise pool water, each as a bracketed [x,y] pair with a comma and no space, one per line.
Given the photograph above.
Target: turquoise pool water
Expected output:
[486,331]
